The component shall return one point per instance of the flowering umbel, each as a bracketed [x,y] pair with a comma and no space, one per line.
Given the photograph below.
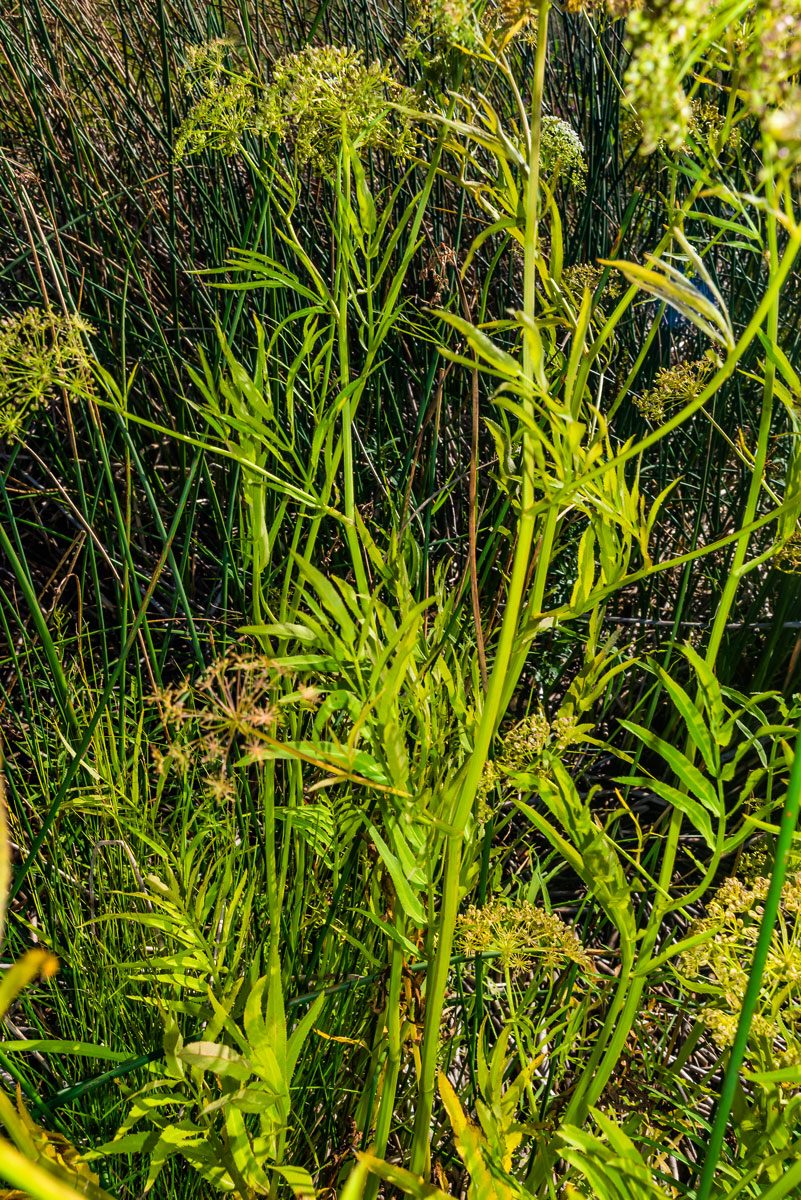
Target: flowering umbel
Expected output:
[562,152]
[673,387]
[219,119]
[41,353]
[314,99]
[659,34]
[587,275]
[219,718]
[722,964]
[521,935]
[775,65]
[324,92]
[224,112]
[761,49]
[775,54]
[788,556]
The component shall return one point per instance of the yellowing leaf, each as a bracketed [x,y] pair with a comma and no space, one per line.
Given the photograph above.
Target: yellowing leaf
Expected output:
[471,1146]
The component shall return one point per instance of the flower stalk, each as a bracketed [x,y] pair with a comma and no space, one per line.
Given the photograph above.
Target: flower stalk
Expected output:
[498,688]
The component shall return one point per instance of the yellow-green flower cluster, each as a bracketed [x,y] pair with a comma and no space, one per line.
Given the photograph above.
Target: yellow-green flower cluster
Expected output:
[775,64]
[775,56]
[492,777]
[562,152]
[587,275]
[41,353]
[509,20]
[613,8]
[706,125]
[323,92]
[526,741]
[314,98]
[673,387]
[522,935]
[462,25]
[660,32]
[783,125]
[530,744]
[764,47]
[722,1025]
[219,120]
[723,962]
[788,558]
[205,61]
[224,112]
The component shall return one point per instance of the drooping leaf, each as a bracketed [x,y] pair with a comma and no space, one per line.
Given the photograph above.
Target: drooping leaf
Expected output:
[217,1058]
[693,779]
[485,1183]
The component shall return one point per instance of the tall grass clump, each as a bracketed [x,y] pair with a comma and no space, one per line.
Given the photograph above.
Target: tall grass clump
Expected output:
[400,488]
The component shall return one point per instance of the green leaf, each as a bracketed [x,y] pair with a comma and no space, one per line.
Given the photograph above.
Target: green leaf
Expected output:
[256,1098]
[680,765]
[691,808]
[298,1036]
[129,1143]
[390,932]
[595,857]
[275,1015]
[713,697]
[614,1167]
[696,726]
[242,1152]
[172,1141]
[367,213]
[33,963]
[585,571]
[282,629]
[482,344]
[35,1181]
[217,1058]
[323,663]
[328,597]
[485,1184]
[408,901]
[411,1185]
[63,1046]
[668,285]
[5,859]
[299,1180]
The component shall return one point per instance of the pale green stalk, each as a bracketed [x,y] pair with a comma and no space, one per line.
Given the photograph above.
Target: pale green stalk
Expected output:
[533,375]
[392,1066]
[770,911]
[351,533]
[378,335]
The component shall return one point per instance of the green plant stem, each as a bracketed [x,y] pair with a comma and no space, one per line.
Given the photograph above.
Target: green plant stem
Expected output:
[789,816]
[437,979]
[784,845]
[389,1086]
[760,456]
[351,532]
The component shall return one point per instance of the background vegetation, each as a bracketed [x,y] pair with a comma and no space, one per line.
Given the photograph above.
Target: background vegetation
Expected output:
[400,581]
